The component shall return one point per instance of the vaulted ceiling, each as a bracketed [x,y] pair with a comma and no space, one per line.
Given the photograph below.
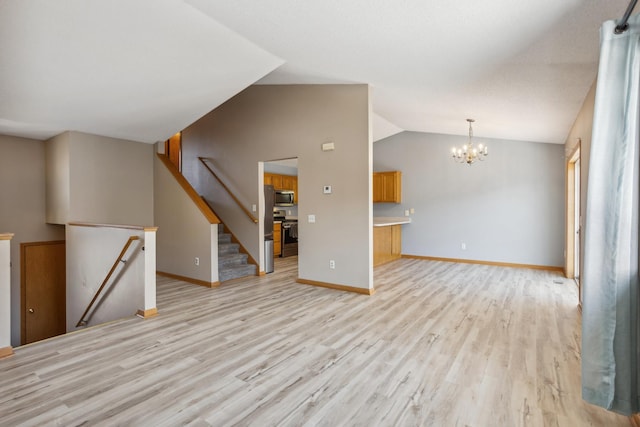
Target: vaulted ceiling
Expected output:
[144,69]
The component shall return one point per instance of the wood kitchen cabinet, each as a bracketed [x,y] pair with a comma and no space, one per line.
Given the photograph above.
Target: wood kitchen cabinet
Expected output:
[287,182]
[387,244]
[273,179]
[277,238]
[283,182]
[387,187]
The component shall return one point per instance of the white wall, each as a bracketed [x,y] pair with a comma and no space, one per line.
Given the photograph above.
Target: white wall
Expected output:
[266,123]
[184,233]
[509,208]
[22,208]
[91,252]
[5,291]
[98,179]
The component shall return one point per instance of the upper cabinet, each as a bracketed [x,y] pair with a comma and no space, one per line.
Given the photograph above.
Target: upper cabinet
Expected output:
[283,182]
[387,187]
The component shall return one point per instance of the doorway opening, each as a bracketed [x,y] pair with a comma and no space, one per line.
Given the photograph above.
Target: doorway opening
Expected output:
[282,176]
[574,219]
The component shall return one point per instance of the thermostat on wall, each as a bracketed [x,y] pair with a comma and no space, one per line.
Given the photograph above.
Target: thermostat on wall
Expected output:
[326,189]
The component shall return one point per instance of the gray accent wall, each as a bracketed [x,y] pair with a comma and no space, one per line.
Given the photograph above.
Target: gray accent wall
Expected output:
[22,208]
[509,208]
[266,123]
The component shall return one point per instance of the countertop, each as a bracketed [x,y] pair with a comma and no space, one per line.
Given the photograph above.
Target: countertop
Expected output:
[384,221]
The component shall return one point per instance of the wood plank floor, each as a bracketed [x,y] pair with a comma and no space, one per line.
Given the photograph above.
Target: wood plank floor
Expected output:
[439,344]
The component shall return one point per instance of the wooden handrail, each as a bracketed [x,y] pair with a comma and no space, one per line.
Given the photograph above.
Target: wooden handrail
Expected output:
[189,190]
[245,210]
[82,322]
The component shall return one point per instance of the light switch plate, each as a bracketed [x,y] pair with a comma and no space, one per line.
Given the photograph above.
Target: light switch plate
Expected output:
[312,218]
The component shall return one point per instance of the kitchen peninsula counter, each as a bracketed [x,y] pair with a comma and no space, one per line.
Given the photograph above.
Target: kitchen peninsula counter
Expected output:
[384,221]
[387,238]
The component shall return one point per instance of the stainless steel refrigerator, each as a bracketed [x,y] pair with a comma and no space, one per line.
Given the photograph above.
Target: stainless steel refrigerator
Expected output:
[269,196]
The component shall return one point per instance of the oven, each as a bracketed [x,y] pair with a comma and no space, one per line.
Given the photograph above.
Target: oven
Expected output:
[289,237]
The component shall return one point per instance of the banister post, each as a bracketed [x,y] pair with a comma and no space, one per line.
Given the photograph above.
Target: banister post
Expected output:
[149,309]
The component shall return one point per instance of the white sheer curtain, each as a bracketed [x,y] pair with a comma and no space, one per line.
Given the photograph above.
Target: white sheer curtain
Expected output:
[610,275]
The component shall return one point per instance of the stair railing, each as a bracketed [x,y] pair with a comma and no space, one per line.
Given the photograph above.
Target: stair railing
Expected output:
[120,259]
[245,210]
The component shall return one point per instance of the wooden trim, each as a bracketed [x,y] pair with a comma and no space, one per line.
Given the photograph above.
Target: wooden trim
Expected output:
[570,210]
[635,420]
[189,279]
[364,291]
[495,263]
[262,273]
[151,229]
[235,199]
[120,226]
[150,312]
[191,192]
[6,236]
[6,352]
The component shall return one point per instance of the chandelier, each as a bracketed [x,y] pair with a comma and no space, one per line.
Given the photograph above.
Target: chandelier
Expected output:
[469,153]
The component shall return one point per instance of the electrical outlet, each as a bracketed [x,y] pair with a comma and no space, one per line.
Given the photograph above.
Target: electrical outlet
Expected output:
[406,212]
[412,211]
[332,264]
[311,218]
[463,246]
[253,208]
[197,261]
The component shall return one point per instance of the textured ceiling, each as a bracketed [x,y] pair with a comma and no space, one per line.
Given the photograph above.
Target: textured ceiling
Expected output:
[132,69]
[144,69]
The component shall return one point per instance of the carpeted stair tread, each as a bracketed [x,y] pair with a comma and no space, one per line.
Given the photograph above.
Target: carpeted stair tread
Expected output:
[236,271]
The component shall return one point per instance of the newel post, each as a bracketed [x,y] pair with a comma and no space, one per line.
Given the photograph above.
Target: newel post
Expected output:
[5,295]
[149,309]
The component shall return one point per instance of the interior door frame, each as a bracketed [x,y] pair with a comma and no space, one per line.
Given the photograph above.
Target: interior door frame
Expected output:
[571,209]
[23,287]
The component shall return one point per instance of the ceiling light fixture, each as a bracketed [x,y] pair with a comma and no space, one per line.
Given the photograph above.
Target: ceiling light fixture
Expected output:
[469,153]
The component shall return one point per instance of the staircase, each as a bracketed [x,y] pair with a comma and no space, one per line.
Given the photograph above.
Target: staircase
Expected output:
[231,263]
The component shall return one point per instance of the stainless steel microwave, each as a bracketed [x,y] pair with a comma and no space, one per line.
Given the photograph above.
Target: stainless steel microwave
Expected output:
[284,198]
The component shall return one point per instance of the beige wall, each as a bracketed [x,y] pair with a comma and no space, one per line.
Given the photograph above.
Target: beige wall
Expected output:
[22,207]
[274,122]
[184,233]
[98,179]
[57,183]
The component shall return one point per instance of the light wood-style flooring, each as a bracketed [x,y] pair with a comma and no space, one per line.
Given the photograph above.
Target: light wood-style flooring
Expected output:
[439,344]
